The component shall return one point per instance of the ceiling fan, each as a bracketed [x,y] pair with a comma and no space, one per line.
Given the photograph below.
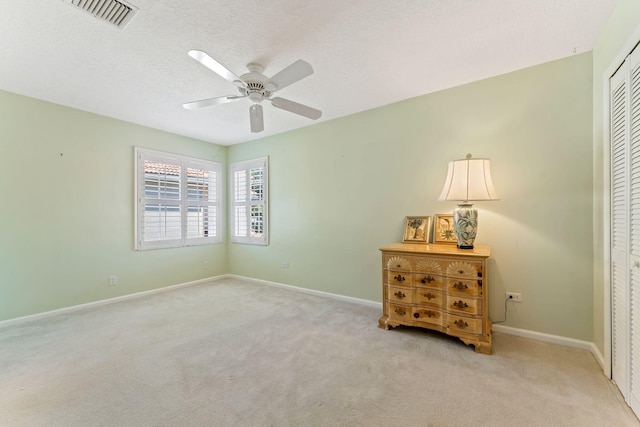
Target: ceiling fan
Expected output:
[257,87]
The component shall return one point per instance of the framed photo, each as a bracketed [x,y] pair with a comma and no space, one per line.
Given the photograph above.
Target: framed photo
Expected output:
[417,229]
[444,230]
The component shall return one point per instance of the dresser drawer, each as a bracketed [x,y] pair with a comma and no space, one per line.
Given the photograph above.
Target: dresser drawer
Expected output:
[462,325]
[428,280]
[464,287]
[396,262]
[427,315]
[428,296]
[399,278]
[470,269]
[400,313]
[400,294]
[429,265]
[457,304]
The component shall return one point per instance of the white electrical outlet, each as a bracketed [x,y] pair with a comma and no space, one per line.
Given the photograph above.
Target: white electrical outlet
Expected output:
[284,264]
[205,265]
[113,280]
[514,296]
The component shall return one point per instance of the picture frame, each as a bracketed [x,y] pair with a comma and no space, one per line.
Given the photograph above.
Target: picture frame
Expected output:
[443,230]
[417,229]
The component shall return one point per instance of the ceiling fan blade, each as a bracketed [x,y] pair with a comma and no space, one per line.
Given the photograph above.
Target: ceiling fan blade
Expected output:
[203,103]
[255,116]
[291,74]
[296,108]
[216,67]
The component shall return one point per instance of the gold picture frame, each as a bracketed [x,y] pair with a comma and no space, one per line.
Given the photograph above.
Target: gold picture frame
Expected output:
[443,230]
[417,229]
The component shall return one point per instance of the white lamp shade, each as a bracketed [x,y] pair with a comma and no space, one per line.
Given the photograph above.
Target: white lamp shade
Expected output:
[468,180]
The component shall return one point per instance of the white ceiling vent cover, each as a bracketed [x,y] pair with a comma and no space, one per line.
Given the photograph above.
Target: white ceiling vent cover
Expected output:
[114,12]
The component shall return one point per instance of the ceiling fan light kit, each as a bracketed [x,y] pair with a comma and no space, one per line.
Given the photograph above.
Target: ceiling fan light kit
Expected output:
[255,116]
[257,87]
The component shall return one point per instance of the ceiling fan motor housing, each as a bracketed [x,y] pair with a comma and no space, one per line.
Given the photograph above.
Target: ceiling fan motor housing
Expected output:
[255,91]
[255,83]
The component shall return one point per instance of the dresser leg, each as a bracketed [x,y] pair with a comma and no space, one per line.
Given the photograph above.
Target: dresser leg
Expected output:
[383,323]
[483,347]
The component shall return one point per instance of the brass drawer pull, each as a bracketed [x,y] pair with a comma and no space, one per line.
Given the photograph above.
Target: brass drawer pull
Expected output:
[400,311]
[400,295]
[427,313]
[399,278]
[460,286]
[428,279]
[460,304]
[461,324]
[429,296]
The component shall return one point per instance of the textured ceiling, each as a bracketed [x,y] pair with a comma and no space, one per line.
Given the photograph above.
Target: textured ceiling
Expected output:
[365,54]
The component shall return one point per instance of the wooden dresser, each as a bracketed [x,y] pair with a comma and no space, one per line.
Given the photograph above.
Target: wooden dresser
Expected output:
[437,286]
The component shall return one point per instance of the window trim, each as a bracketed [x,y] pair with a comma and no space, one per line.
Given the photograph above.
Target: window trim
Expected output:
[247,165]
[142,154]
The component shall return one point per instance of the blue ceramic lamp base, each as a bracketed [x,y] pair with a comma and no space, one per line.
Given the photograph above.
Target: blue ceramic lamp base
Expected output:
[465,219]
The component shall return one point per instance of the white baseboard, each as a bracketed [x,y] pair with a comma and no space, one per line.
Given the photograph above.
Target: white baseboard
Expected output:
[554,339]
[99,303]
[538,336]
[308,291]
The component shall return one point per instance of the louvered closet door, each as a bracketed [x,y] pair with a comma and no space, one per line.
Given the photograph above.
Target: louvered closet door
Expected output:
[625,228]
[619,235]
[634,225]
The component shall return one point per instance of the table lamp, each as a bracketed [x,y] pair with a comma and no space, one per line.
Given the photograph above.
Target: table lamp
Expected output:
[468,180]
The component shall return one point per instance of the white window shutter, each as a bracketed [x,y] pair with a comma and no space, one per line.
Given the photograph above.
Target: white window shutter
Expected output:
[249,211]
[202,202]
[177,200]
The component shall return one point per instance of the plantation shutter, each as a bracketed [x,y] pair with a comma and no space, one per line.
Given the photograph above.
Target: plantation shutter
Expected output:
[202,202]
[240,191]
[161,203]
[249,222]
[178,200]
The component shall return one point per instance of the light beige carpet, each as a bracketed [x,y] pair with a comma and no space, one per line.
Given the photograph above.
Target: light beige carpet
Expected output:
[234,353]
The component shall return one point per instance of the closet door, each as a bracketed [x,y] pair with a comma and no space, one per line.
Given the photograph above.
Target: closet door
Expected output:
[625,228]
[619,236]
[633,260]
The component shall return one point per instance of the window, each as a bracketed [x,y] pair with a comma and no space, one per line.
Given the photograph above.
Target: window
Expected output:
[177,200]
[249,213]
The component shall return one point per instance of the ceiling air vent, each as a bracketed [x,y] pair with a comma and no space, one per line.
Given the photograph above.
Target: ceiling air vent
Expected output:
[114,12]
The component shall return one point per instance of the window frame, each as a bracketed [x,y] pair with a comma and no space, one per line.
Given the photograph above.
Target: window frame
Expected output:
[247,166]
[183,202]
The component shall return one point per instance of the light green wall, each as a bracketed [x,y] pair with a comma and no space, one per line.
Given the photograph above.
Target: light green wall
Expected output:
[339,190]
[66,182]
[623,23]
